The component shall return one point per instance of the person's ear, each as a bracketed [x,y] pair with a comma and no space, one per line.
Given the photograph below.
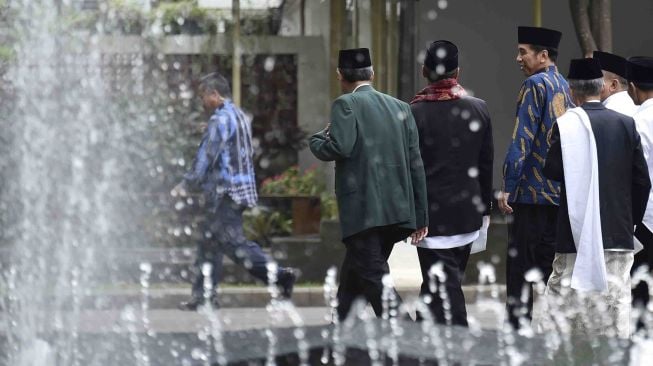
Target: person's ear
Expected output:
[543,55]
[614,85]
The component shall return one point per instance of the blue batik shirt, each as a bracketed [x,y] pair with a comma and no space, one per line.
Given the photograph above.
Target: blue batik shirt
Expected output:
[544,97]
[223,164]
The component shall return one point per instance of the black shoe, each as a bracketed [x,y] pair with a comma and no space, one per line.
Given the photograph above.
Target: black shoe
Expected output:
[194,303]
[286,281]
[191,305]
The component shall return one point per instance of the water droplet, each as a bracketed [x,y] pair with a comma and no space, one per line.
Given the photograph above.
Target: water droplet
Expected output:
[264,163]
[268,65]
[197,354]
[442,4]
[534,275]
[206,269]
[145,267]
[421,56]
[432,14]
[472,172]
[441,52]
[474,125]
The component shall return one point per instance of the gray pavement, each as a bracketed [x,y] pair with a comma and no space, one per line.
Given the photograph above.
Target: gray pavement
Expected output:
[488,315]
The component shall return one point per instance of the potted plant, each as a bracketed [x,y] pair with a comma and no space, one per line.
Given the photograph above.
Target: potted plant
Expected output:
[186,17]
[262,223]
[304,190]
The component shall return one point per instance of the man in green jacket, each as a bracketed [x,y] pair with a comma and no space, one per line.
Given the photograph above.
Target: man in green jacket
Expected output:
[380,181]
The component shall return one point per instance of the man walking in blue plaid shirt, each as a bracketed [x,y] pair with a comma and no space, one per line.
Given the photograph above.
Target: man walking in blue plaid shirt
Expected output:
[223,171]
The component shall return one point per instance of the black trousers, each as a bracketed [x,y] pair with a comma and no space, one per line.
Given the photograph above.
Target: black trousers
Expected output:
[365,264]
[640,292]
[531,245]
[454,261]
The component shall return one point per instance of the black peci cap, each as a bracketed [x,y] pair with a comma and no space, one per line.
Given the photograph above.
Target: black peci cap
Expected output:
[611,62]
[356,58]
[640,69]
[441,53]
[584,69]
[539,36]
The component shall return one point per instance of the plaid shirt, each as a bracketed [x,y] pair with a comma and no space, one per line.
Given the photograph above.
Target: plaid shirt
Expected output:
[223,164]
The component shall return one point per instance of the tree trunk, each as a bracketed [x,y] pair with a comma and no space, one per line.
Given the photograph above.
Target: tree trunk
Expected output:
[601,20]
[302,17]
[580,15]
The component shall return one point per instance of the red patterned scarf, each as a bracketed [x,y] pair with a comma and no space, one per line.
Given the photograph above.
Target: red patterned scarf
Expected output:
[446,89]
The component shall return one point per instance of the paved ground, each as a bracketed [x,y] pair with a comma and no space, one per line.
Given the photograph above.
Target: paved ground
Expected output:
[129,319]
[245,307]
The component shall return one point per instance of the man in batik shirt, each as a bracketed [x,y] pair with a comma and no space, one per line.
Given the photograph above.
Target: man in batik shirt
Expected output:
[527,194]
[223,171]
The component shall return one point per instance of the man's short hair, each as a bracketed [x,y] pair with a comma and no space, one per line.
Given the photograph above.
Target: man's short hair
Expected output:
[434,76]
[215,82]
[645,87]
[553,52]
[586,88]
[622,80]
[354,75]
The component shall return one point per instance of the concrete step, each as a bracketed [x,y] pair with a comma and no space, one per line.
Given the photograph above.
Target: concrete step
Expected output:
[249,296]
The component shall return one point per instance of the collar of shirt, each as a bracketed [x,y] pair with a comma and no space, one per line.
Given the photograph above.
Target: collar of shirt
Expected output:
[552,68]
[593,101]
[647,103]
[617,96]
[356,88]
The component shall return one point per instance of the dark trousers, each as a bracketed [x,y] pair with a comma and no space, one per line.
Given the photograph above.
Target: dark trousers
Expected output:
[365,264]
[454,261]
[531,245]
[224,234]
[640,292]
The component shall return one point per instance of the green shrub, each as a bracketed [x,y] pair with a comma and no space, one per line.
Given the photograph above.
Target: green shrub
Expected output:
[260,224]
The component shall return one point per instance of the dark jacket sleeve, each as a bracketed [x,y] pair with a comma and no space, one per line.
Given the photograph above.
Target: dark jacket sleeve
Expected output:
[338,142]
[641,181]
[553,168]
[485,161]
[418,176]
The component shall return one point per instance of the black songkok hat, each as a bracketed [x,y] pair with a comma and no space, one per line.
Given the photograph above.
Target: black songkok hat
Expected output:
[585,69]
[640,69]
[611,62]
[356,58]
[441,53]
[539,36]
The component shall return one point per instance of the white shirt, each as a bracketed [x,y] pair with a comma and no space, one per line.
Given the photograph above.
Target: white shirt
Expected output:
[356,88]
[621,102]
[448,242]
[644,124]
